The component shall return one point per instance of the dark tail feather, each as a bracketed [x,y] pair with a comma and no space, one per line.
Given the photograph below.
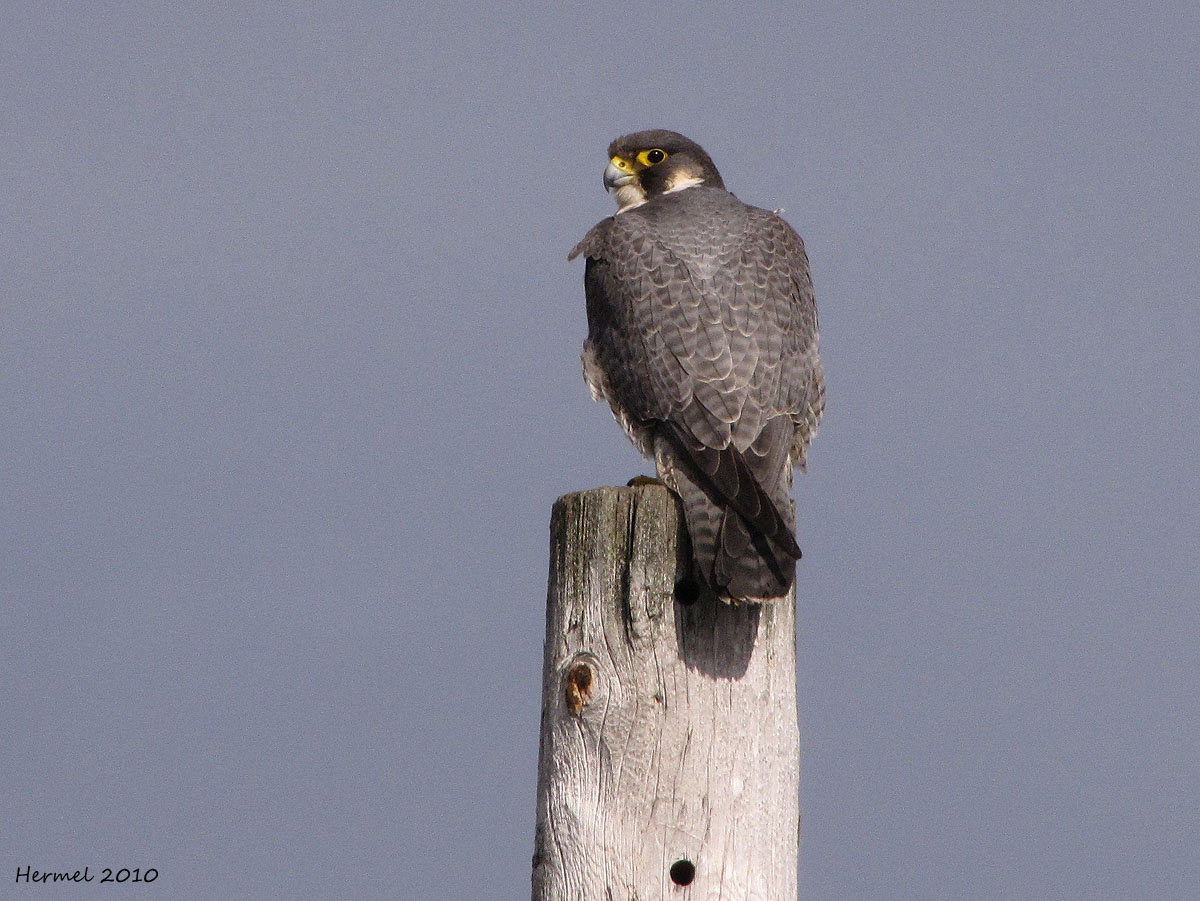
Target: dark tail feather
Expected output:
[729,481]
[747,566]
[743,545]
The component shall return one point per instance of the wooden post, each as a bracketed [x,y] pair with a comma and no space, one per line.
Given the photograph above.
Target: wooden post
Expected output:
[670,760]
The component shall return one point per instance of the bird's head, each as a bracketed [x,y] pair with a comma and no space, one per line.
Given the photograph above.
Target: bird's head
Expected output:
[647,164]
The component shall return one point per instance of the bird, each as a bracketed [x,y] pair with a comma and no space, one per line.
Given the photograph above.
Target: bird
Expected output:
[702,338]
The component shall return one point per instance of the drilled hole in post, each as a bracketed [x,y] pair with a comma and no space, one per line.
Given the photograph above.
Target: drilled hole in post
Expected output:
[683,872]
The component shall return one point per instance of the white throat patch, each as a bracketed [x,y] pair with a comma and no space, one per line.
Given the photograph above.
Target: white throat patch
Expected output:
[681,182]
[628,196]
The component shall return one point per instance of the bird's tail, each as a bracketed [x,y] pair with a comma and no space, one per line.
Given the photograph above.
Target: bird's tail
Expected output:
[743,544]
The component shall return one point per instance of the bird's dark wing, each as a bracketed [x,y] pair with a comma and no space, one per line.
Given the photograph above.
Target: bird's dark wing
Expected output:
[701,320]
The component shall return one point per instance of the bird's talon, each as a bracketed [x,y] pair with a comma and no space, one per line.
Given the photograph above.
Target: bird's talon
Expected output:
[642,481]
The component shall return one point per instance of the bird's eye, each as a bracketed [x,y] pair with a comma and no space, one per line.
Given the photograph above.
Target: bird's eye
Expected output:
[652,157]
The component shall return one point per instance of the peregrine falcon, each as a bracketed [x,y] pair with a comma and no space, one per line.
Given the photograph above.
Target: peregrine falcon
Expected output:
[702,337]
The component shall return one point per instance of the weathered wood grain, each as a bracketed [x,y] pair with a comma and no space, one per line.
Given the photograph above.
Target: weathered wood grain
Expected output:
[669,732]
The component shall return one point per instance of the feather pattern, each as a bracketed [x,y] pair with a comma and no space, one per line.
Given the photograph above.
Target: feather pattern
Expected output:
[702,337]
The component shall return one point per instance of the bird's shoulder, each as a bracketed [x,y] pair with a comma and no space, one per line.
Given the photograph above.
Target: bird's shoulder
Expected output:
[709,217]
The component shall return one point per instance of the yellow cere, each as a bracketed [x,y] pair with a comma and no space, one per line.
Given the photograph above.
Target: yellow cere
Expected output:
[621,163]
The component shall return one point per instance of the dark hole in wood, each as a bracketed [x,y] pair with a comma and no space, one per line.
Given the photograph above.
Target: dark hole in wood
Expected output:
[683,872]
[687,591]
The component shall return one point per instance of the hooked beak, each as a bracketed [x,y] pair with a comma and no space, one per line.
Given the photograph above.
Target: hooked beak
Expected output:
[615,178]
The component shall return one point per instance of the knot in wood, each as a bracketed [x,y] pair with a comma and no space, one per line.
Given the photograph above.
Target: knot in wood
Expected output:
[578,689]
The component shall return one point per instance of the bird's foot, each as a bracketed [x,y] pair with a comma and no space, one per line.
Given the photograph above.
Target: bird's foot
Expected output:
[641,481]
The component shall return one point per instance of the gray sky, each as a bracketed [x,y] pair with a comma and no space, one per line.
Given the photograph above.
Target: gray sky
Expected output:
[291,380]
